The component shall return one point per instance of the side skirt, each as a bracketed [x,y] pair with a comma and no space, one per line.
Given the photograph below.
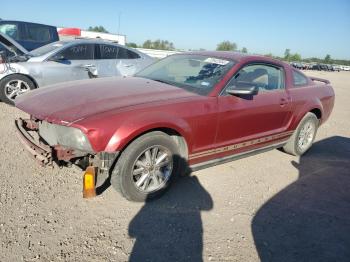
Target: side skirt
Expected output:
[226,159]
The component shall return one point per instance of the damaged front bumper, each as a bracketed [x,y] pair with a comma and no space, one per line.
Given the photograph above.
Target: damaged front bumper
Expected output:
[40,150]
[97,165]
[37,149]
[47,153]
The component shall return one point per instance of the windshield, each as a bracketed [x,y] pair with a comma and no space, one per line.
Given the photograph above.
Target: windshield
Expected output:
[195,73]
[47,48]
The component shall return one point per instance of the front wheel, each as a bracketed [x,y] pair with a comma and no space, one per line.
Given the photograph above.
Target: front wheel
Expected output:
[146,167]
[13,86]
[303,136]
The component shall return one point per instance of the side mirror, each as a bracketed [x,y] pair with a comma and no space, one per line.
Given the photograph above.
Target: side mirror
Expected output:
[238,91]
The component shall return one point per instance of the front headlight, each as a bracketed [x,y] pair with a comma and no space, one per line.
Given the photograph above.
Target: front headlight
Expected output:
[65,136]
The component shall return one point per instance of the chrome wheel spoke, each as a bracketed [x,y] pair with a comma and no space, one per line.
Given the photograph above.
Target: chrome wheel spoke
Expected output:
[13,94]
[156,178]
[154,154]
[19,84]
[163,164]
[160,175]
[138,171]
[146,183]
[160,158]
[140,164]
[142,179]
[148,157]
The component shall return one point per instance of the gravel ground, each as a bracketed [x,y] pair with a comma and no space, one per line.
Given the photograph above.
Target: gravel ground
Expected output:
[269,207]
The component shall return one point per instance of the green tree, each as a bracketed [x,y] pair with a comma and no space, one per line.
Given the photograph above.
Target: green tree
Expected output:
[295,57]
[133,45]
[244,50]
[99,29]
[147,44]
[328,59]
[226,46]
[158,44]
[287,54]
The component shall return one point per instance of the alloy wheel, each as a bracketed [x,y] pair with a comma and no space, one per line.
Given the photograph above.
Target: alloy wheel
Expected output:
[15,88]
[152,169]
[306,135]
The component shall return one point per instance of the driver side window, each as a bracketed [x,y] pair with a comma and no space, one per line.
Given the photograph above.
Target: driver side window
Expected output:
[77,52]
[265,77]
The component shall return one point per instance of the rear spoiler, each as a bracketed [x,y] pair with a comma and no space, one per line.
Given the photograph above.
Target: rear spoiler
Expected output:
[320,80]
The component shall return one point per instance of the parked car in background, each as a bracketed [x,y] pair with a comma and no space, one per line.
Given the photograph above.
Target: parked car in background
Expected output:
[192,109]
[316,67]
[67,61]
[330,68]
[29,35]
[336,68]
[297,65]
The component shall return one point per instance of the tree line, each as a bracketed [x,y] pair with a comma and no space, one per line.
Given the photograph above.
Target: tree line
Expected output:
[230,46]
[288,56]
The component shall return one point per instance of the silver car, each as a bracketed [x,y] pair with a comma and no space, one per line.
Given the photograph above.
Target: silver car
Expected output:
[65,61]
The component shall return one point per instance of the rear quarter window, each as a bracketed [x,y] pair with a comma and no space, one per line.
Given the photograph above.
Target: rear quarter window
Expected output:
[124,53]
[299,79]
[108,51]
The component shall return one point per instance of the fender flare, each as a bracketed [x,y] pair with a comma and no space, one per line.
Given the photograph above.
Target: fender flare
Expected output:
[308,107]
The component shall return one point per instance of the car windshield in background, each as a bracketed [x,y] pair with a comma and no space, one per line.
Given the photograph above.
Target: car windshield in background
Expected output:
[195,73]
[46,48]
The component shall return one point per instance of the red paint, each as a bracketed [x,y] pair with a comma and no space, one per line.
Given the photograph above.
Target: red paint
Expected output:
[70,31]
[113,111]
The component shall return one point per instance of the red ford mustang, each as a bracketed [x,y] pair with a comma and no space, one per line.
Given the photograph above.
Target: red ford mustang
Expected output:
[188,110]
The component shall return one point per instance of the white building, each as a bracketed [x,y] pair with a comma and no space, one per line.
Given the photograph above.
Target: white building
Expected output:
[71,33]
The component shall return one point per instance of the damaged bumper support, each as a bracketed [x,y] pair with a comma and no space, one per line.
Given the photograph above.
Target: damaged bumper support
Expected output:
[41,140]
[37,149]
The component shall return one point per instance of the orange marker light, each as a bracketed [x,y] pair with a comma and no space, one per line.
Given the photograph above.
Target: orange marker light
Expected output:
[89,183]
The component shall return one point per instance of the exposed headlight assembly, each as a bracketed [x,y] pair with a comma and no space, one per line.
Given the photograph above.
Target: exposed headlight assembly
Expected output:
[65,136]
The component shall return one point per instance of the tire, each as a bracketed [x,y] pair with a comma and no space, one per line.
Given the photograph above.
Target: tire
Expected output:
[305,131]
[130,178]
[19,85]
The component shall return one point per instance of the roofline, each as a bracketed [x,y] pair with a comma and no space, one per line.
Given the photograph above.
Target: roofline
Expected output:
[16,21]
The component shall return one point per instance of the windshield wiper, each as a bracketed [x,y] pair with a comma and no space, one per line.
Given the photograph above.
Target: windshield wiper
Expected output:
[162,81]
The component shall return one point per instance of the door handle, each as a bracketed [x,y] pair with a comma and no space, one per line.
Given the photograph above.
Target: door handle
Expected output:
[89,66]
[128,65]
[91,70]
[283,102]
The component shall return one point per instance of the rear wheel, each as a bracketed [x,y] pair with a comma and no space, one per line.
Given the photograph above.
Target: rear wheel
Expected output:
[14,86]
[146,167]
[303,136]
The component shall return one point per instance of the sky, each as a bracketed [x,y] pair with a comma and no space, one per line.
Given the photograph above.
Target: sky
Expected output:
[311,28]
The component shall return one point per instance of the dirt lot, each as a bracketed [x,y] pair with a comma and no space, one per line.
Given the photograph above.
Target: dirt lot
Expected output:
[270,207]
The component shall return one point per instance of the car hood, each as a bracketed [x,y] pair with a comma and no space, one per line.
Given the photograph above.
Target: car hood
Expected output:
[73,101]
[13,46]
